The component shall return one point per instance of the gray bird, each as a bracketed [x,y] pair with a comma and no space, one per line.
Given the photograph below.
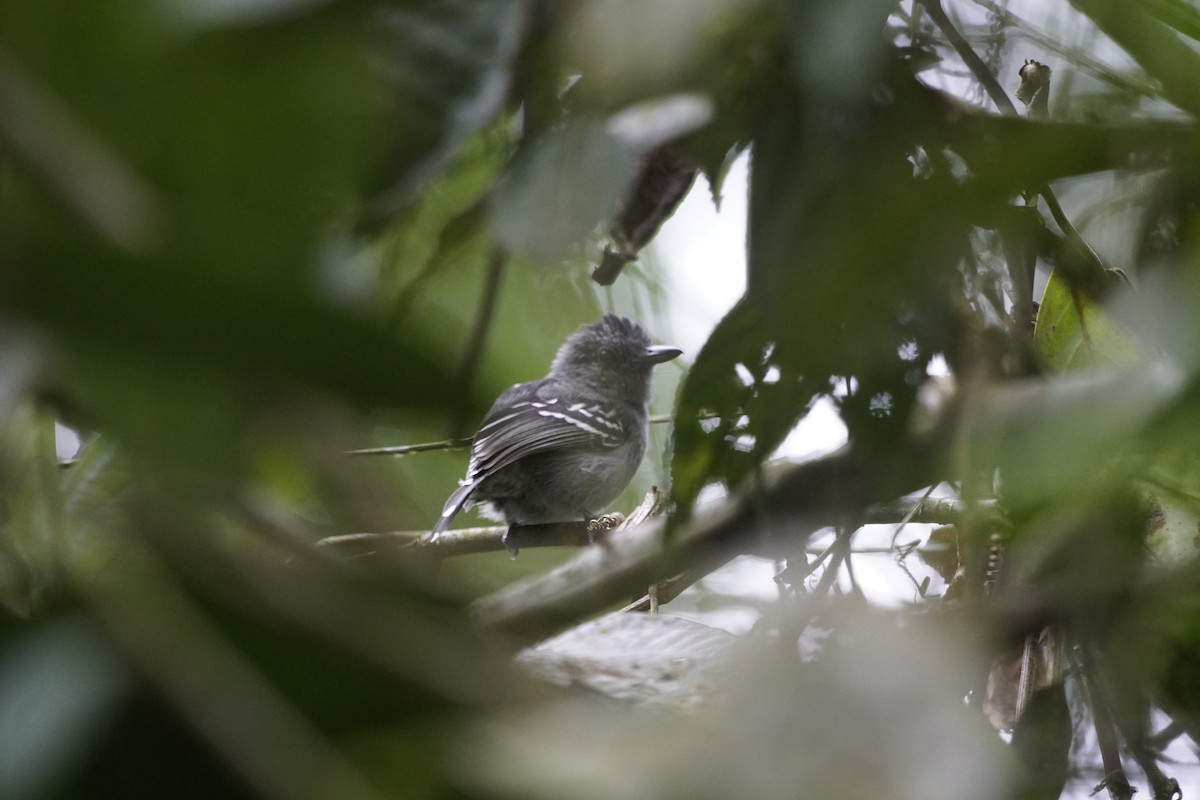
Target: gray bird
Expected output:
[562,448]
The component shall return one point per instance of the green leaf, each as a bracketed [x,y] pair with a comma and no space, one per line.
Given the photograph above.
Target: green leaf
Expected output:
[446,65]
[1072,332]
[240,330]
[1050,438]
[848,256]
[1180,15]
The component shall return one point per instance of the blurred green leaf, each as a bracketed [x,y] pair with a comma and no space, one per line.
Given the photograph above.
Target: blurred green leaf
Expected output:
[60,686]
[815,274]
[240,238]
[1180,15]
[446,67]
[1072,332]
[1054,438]
[561,190]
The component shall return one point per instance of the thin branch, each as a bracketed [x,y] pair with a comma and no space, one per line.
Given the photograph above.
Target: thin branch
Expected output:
[967,53]
[1115,779]
[405,449]
[456,444]
[462,541]
[671,588]
[1170,733]
[488,539]
[667,590]
[839,553]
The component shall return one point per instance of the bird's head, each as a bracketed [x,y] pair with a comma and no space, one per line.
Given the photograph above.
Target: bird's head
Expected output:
[613,355]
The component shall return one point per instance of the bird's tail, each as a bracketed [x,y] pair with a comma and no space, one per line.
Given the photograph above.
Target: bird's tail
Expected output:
[453,505]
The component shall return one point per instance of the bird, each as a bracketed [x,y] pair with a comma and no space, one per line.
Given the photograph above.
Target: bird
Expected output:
[563,447]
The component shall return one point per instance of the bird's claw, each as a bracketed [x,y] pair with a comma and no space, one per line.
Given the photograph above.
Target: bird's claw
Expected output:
[603,524]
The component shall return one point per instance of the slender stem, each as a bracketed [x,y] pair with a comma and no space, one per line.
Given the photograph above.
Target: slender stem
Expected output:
[1115,779]
[455,444]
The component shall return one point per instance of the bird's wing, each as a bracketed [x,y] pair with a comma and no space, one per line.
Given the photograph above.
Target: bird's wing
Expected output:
[533,418]
[453,505]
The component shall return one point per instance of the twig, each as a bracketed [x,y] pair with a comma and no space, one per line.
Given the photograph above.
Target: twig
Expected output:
[462,541]
[455,444]
[839,552]
[902,553]
[1170,733]
[1115,779]
[663,182]
[486,539]
[967,53]
[667,589]
[405,449]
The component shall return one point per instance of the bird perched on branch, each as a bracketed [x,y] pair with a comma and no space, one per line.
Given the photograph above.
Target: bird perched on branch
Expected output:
[562,448]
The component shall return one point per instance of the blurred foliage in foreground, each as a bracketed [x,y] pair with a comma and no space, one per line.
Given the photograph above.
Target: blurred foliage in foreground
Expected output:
[240,238]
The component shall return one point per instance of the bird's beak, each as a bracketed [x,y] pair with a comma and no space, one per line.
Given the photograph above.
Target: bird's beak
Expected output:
[657,354]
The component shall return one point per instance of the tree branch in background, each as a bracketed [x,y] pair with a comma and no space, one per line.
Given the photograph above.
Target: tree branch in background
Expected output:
[664,182]
[422,447]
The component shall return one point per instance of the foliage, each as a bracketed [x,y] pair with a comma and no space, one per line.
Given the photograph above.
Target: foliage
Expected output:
[238,239]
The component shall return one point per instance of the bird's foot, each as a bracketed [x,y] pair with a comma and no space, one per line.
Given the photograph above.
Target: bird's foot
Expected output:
[602,525]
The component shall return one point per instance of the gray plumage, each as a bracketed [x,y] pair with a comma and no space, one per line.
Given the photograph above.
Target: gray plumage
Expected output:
[562,448]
